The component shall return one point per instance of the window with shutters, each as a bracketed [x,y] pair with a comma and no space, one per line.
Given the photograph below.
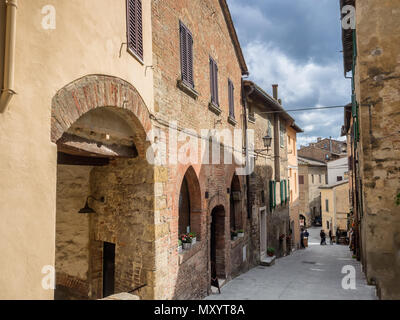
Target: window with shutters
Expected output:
[135,28]
[301,179]
[214,82]
[231,99]
[186,48]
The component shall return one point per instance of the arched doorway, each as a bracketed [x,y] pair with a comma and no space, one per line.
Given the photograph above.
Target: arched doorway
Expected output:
[105,189]
[217,242]
[302,220]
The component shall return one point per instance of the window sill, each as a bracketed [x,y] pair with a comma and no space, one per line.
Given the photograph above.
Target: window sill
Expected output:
[188,253]
[251,118]
[214,108]
[235,243]
[187,89]
[232,120]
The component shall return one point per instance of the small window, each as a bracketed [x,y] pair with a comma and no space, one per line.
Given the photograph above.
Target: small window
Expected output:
[339,178]
[214,81]
[231,99]
[327,205]
[320,179]
[282,135]
[262,196]
[135,27]
[186,44]
[312,178]
[301,179]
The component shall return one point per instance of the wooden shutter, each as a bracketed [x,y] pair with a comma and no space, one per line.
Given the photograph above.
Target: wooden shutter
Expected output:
[214,81]
[135,27]
[231,98]
[186,42]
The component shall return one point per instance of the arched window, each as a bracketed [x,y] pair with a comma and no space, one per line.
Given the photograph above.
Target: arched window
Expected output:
[189,219]
[184,208]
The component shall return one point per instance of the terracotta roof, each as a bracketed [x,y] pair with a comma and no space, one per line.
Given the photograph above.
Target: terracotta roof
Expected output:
[234,37]
[309,162]
[275,105]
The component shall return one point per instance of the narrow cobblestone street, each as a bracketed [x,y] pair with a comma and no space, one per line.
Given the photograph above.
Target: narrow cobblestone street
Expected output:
[310,274]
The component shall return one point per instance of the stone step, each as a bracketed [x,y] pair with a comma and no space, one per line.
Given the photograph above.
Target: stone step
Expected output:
[268,261]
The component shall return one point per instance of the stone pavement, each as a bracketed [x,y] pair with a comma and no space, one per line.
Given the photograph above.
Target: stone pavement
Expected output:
[314,273]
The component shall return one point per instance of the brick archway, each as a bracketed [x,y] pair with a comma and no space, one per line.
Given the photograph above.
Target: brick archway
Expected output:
[95,91]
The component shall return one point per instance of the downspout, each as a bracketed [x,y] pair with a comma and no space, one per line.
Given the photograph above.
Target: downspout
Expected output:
[245,118]
[9,55]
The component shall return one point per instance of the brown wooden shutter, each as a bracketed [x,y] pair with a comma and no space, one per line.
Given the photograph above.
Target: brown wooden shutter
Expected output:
[231,98]
[186,43]
[214,81]
[135,27]
[190,58]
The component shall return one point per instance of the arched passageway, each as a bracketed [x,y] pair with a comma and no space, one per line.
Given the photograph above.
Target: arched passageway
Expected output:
[105,189]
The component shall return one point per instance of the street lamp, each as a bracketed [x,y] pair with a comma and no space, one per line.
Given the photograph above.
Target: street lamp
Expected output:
[267,141]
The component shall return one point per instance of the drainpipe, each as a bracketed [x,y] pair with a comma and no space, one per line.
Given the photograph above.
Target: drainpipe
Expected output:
[245,118]
[9,55]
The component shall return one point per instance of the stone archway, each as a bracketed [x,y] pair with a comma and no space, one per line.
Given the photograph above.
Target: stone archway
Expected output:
[99,124]
[96,91]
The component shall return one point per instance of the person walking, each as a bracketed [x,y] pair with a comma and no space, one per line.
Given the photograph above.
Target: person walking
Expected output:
[302,239]
[337,236]
[306,235]
[330,237]
[323,237]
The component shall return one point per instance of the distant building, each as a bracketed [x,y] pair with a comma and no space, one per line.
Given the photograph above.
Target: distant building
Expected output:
[334,209]
[338,170]
[312,175]
[324,150]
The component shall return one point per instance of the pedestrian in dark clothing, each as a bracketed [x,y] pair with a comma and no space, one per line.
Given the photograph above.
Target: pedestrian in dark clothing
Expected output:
[330,237]
[323,237]
[337,235]
[306,234]
[302,239]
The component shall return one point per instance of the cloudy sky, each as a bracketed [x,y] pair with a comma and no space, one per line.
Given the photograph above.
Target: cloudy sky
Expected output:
[297,44]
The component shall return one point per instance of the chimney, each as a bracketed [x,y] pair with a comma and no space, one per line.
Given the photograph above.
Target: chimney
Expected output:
[280,101]
[330,144]
[275,91]
[319,139]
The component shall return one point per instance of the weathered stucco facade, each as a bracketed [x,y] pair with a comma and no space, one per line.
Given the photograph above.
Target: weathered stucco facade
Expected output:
[312,175]
[335,207]
[28,163]
[371,51]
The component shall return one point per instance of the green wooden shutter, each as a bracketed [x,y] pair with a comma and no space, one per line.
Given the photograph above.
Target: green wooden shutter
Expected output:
[286,197]
[271,196]
[274,194]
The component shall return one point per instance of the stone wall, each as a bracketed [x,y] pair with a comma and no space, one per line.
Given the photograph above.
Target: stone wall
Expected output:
[377,83]
[72,231]
[127,220]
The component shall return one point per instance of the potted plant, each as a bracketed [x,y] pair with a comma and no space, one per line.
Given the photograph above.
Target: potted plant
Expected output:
[179,245]
[234,235]
[240,233]
[193,236]
[270,252]
[186,241]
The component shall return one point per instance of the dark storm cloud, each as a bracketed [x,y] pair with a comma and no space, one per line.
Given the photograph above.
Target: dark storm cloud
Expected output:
[297,44]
